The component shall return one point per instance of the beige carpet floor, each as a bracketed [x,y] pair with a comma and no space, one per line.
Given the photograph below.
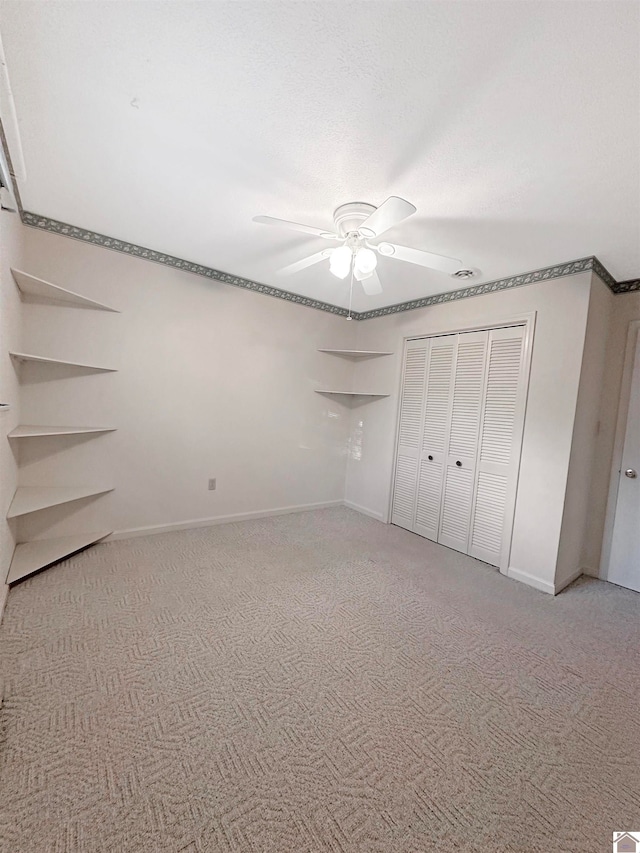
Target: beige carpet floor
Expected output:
[314,682]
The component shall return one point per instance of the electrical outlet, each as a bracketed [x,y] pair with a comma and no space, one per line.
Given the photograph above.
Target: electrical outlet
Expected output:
[212,484]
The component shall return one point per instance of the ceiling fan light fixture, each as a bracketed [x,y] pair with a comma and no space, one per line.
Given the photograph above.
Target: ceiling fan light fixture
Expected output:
[366,261]
[355,224]
[340,263]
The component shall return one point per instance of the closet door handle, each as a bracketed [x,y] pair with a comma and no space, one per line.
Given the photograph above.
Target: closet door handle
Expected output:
[430,458]
[459,464]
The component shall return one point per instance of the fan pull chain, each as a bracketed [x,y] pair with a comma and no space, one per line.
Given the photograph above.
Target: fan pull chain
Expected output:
[349,317]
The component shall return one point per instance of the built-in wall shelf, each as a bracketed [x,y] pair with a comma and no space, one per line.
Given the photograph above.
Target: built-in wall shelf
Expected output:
[36,431]
[36,554]
[351,393]
[41,359]
[32,498]
[32,286]
[29,557]
[355,353]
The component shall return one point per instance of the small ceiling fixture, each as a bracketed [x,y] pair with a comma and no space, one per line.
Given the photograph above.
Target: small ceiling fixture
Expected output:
[356,224]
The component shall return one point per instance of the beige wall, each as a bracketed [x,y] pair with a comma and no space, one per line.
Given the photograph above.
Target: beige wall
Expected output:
[213,381]
[219,382]
[578,521]
[561,308]
[625,308]
[11,233]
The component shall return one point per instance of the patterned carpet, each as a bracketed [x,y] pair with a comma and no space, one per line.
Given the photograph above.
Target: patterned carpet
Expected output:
[314,682]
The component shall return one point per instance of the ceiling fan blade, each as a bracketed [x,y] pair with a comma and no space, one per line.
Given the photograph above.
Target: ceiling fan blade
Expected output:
[423,259]
[390,213]
[371,284]
[296,226]
[305,262]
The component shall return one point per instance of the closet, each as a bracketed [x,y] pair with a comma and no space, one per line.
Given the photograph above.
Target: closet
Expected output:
[460,431]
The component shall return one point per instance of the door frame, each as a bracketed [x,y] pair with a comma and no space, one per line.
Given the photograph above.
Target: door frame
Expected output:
[633,335]
[526,319]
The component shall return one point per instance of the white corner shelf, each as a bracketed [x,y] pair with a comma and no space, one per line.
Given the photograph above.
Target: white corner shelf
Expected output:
[355,353]
[25,431]
[41,359]
[351,393]
[32,286]
[29,557]
[33,498]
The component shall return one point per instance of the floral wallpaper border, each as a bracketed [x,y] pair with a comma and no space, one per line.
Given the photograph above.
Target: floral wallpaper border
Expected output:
[545,274]
[135,251]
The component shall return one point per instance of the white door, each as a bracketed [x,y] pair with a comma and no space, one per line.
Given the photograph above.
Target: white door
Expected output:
[410,432]
[498,460]
[461,420]
[462,446]
[624,562]
[436,423]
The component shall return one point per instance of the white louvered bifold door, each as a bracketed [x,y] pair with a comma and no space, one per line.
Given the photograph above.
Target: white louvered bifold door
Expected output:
[462,446]
[410,433]
[502,415]
[437,416]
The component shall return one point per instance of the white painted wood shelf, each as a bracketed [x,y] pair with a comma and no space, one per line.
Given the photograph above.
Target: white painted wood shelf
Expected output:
[32,555]
[33,498]
[41,359]
[32,286]
[351,393]
[29,557]
[355,353]
[26,431]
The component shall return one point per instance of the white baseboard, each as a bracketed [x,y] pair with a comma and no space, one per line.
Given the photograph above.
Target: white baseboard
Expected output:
[543,586]
[531,580]
[219,519]
[4,592]
[572,577]
[364,510]
[592,573]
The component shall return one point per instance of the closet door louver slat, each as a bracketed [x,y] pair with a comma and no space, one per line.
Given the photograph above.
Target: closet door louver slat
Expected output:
[468,389]
[467,395]
[437,414]
[496,475]
[410,431]
[438,394]
[456,508]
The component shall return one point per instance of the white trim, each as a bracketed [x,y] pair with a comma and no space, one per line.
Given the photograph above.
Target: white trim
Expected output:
[364,510]
[633,330]
[525,376]
[388,514]
[4,592]
[193,523]
[531,580]
[526,319]
[565,583]
[542,586]
[480,326]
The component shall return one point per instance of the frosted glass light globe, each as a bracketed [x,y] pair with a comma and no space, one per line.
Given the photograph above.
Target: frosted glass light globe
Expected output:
[340,263]
[366,261]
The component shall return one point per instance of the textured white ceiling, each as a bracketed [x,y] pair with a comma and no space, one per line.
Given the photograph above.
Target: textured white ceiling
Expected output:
[514,127]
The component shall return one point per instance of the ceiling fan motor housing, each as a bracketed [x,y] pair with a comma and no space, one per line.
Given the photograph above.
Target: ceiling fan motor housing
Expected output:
[349,217]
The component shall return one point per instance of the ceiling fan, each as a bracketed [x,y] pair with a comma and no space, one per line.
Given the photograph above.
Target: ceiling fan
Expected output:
[356,224]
